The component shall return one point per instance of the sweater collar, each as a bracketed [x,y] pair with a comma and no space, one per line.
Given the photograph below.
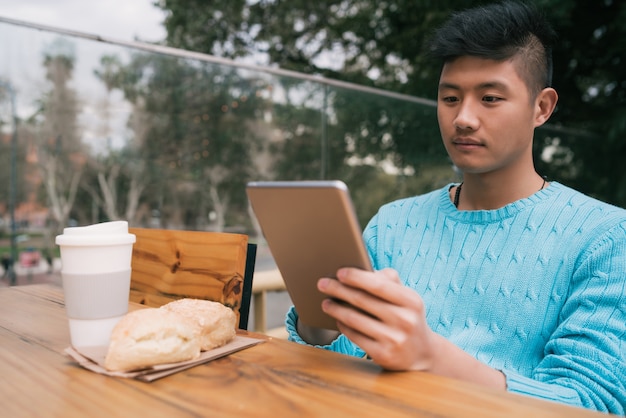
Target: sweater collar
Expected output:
[496,215]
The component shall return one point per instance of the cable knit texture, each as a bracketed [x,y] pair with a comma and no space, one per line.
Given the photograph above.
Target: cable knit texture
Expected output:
[536,289]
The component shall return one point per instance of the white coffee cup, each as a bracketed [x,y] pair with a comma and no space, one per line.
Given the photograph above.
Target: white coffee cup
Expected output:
[95,269]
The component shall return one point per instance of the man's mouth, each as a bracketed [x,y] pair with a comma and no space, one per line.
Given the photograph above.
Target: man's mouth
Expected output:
[466,143]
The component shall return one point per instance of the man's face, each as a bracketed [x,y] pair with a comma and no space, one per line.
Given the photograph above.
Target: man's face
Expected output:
[486,116]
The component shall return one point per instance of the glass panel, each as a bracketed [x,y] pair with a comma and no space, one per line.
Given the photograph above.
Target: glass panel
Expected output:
[167,138]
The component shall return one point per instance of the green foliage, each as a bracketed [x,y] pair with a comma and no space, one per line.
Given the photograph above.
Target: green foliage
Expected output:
[381,44]
[196,134]
[590,63]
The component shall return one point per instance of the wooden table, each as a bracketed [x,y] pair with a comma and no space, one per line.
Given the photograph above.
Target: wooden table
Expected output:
[276,378]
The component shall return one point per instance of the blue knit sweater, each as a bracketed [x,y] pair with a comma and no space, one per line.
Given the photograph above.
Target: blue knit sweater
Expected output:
[536,289]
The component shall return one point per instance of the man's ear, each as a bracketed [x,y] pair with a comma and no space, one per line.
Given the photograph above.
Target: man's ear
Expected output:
[544,105]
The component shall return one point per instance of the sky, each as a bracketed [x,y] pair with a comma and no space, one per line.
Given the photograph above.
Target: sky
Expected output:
[124,20]
[115,20]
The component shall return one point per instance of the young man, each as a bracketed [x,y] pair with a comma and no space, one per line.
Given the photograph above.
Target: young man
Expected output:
[504,280]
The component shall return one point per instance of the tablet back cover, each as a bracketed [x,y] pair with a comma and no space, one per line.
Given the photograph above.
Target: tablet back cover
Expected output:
[311,230]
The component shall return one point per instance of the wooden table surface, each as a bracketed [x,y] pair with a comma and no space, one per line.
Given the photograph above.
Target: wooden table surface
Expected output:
[276,378]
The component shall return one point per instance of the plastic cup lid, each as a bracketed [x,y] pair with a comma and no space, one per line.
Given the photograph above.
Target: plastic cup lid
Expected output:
[105,233]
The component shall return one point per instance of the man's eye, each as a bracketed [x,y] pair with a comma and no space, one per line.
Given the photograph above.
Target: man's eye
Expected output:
[450,99]
[491,99]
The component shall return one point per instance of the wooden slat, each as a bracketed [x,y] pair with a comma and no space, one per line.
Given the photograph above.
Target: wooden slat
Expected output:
[172,264]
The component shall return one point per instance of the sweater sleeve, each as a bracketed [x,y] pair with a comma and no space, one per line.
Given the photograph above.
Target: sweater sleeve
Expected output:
[340,345]
[584,360]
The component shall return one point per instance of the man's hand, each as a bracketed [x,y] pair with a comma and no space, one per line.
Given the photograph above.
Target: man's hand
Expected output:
[391,327]
[388,321]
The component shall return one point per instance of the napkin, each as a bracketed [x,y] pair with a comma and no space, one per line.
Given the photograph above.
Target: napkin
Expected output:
[92,358]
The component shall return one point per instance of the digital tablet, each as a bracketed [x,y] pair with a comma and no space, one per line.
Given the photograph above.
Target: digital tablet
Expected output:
[311,230]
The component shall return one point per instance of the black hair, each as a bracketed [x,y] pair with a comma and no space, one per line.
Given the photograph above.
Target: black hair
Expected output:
[500,31]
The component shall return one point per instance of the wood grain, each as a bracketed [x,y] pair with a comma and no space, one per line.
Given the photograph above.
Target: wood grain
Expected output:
[275,378]
[172,264]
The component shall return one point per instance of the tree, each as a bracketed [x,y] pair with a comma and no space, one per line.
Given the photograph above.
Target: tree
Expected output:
[590,63]
[7,131]
[196,147]
[61,157]
[381,44]
[119,171]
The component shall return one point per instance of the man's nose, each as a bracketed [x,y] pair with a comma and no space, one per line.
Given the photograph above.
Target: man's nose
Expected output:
[466,118]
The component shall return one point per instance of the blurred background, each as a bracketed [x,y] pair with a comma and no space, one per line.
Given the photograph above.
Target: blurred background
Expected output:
[159,112]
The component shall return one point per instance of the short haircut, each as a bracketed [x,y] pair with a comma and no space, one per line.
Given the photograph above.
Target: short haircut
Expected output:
[500,31]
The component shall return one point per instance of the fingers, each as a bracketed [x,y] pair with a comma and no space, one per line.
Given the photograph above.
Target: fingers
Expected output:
[379,314]
[360,287]
[353,276]
[389,347]
[354,323]
[382,301]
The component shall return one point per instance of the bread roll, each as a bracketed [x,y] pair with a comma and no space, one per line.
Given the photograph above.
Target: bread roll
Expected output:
[147,337]
[216,323]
